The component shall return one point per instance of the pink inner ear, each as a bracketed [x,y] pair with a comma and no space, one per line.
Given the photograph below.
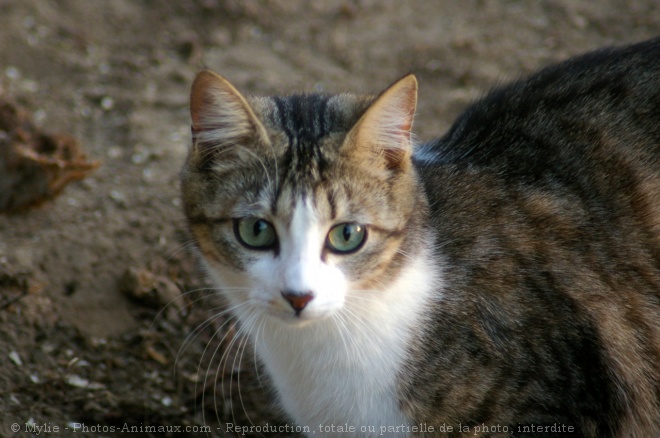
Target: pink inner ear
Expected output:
[202,102]
[220,115]
[386,124]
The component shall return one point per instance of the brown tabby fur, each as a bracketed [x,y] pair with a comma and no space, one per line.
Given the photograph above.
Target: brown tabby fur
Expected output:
[543,207]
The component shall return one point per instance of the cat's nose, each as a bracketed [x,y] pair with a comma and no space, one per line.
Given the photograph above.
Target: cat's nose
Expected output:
[298,300]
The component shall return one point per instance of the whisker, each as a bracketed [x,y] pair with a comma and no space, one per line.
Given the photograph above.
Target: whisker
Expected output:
[246,331]
[254,353]
[221,367]
[171,253]
[197,330]
[173,300]
[206,374]
[223,364]
[355,322]
[337,321]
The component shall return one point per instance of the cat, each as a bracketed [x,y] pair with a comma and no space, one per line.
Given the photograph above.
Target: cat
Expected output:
[502,280]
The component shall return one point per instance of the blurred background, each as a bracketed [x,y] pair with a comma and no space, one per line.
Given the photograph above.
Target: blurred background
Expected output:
[84,276]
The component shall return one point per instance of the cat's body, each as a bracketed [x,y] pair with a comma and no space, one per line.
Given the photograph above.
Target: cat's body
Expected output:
[504,276]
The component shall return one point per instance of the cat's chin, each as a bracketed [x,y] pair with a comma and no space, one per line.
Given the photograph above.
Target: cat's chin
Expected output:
[293,320]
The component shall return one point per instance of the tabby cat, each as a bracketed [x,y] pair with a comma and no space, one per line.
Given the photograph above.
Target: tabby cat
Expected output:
[501,280]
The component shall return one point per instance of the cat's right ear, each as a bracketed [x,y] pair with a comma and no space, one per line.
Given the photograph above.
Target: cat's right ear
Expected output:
[222,120]
[384,130]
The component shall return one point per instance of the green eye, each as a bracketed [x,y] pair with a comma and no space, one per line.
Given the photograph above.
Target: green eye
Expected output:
[346,238]
[255,233]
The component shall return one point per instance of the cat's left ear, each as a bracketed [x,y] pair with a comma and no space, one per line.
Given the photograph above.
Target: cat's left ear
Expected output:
[221,116]
[385,127]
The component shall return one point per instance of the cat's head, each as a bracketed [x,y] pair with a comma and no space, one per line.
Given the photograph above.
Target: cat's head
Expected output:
[301,205]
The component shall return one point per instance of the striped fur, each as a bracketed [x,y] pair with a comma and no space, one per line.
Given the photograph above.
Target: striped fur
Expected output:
[510,277]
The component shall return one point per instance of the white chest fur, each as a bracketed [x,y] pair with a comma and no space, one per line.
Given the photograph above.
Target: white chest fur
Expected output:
[343,370]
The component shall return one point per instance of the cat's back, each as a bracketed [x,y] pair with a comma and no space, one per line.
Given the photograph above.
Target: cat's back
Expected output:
[545,200]
[581,137]
[573,107]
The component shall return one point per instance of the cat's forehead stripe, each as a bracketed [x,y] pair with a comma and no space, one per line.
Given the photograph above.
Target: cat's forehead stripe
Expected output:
[304,120]
[330,194]
[303,116]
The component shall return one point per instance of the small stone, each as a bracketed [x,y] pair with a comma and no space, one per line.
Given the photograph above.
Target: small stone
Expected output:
[107,103]
[13,355]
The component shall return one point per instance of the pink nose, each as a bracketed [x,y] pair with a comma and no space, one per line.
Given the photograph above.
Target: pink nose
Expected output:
[297,300]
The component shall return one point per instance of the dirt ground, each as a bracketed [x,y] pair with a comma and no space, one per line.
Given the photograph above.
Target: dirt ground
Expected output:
[84,344]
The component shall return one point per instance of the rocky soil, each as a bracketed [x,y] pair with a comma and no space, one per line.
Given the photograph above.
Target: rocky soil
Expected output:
[101,323]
